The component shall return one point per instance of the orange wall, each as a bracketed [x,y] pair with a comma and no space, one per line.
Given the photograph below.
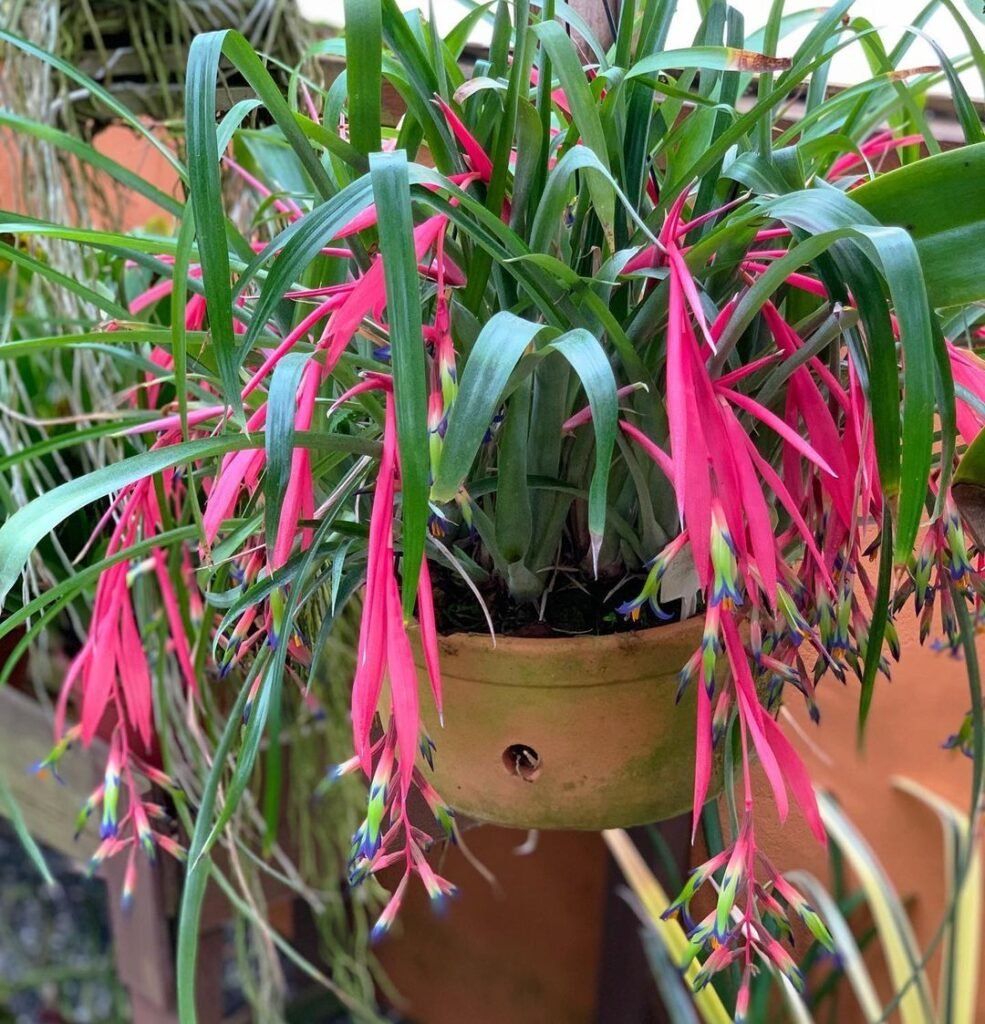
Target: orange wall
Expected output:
[126,210]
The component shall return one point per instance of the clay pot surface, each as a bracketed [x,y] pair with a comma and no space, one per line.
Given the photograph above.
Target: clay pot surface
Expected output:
[565,733]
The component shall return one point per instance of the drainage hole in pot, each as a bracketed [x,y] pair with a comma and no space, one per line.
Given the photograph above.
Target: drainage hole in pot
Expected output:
[523,761]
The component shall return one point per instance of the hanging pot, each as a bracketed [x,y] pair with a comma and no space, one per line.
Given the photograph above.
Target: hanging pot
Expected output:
[565,733]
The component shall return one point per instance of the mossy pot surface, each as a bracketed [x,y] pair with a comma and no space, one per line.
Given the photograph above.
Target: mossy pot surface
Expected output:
[565,733]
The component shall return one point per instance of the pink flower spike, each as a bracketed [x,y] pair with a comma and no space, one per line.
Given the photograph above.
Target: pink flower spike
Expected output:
[447,271]
[753,407]
[287,206]
[651,448]
[135,681]
[757,513]
[429,636]
[309,102]
[649,256]
[678,266]
[584,415]
[478,158]
[727,379]
[290,340]
[368,383]
[777,486]
[299,492]
[385,921]
[403,687]
[875,146]
[129,879]
[673,218]
[438,888]
[795,280]
[362,220]
[195,417]
[752,713]
[796,776]
[99,675]
[153,294]
[686,229]
[68,685]
[372,648]
[678,387]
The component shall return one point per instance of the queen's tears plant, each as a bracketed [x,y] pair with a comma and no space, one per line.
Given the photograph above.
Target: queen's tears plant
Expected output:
[584,318]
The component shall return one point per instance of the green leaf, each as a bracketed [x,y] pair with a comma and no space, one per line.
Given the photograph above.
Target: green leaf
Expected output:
[100,301]
[268,695]
[712,58]
[197,875]
[22,531]
[550,209]
[497,350]
[13,813]
[279,437]
[655,903]
[391,191]
[133,334]
[205,188]
[894,929]
[584,114]
[364,62]
[179,305]
[958,1001]
[69,588]
[588,360]
[109,241]
[941,204]
[513,518]
[845,944]
[205,197]
[877,626]
[892,252]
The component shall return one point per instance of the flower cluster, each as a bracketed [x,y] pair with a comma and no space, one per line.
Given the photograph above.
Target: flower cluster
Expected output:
[783,605]
[128,830]
[113,674]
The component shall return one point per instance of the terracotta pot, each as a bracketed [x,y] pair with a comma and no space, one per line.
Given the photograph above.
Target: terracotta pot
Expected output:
[577,733]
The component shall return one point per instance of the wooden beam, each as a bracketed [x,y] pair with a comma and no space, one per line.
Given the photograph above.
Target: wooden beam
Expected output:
[49,808]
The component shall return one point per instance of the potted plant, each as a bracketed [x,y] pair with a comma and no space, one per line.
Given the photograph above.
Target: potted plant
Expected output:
[573,352]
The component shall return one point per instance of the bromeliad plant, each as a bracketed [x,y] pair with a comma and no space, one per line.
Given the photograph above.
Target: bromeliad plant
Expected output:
[585,315]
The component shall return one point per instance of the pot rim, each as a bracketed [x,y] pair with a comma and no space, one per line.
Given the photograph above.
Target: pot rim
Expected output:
[580,660]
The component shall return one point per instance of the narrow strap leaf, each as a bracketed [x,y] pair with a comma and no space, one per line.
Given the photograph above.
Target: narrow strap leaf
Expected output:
[391,192]
[497,350]
[364,62]
[279,437]
[588,360]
